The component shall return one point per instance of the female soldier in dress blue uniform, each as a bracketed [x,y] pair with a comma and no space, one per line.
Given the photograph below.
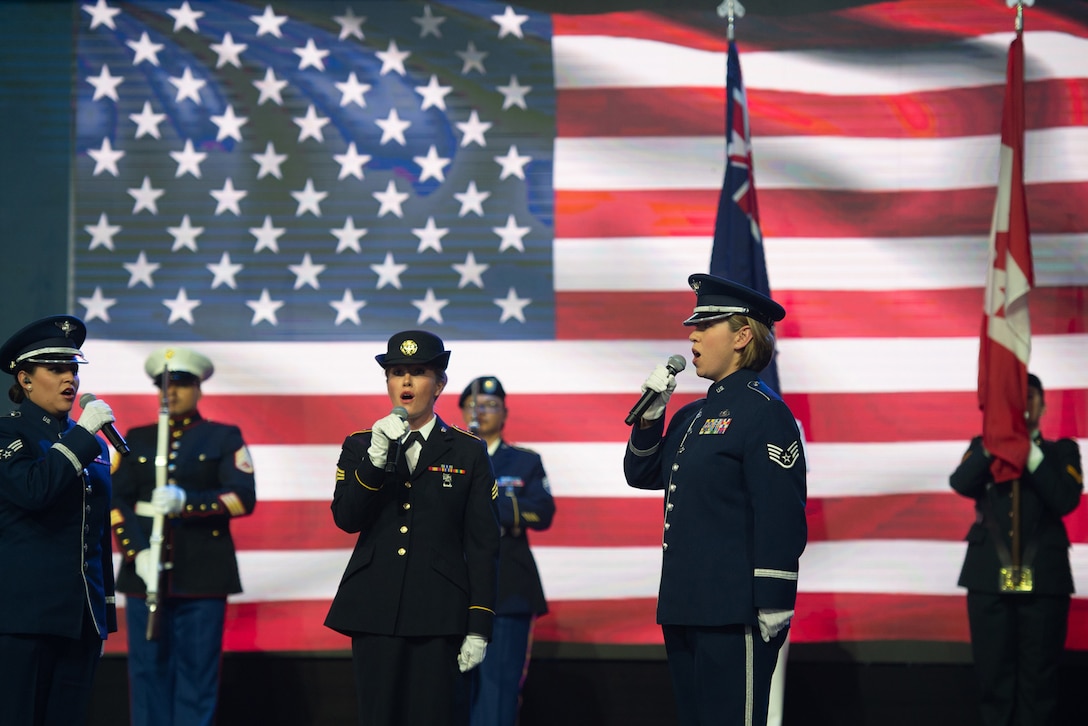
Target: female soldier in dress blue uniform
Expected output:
[56,568]
[733,472]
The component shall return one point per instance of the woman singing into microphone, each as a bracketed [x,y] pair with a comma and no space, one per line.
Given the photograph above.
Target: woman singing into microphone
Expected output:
[418,595]
[56,568]
[733,471]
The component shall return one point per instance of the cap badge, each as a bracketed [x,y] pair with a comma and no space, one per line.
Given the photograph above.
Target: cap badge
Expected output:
[66,327]
[409,348]
[169,353]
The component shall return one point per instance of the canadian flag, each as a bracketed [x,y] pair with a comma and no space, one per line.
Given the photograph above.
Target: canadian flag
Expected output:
[1006,327]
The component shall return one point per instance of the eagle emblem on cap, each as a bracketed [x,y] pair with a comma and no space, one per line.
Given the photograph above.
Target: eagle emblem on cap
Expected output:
[66,327]
[409,347]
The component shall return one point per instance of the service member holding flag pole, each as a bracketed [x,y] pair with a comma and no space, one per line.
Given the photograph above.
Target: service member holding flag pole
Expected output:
[734,476]
[1016,570]
[189,490]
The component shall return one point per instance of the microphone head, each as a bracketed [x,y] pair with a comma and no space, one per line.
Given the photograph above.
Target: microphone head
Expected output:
[676,364]
[401,412]
[85,399]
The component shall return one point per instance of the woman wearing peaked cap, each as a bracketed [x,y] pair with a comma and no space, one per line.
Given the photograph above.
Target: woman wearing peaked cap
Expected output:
[417,597]
[733,471]
[56,571]
[174,678]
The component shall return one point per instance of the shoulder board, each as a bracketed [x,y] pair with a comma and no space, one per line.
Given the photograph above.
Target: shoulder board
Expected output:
[761,388]
[518,447]
[466,432]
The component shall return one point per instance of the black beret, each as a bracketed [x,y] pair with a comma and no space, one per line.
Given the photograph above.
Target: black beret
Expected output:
[718,298]
[415,346]
[55,339]
[485,386]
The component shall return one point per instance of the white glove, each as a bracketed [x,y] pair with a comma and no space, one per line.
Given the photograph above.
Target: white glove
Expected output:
[168,500]
[145,568]
[472,652]
[96,414]
[663,383]
[385,429]
[772,622]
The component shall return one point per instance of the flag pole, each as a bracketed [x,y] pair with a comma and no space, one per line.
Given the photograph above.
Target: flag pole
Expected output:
[731,10]
[1017,580]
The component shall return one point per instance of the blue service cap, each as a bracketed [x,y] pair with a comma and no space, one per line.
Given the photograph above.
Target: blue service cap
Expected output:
[55,339]
[485,386]
[718,298]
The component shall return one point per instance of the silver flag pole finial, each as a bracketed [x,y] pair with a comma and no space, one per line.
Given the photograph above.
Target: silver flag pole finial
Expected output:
[732,9]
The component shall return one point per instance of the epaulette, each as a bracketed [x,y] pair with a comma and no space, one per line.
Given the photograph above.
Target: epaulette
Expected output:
[521,448]
[466,432]
[758,386]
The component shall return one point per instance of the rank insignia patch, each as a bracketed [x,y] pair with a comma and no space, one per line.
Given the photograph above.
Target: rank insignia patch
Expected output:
[9,451]
[787,457]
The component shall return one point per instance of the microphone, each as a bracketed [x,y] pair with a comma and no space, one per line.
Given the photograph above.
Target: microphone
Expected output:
[391,462]
[108,430]
[675,364]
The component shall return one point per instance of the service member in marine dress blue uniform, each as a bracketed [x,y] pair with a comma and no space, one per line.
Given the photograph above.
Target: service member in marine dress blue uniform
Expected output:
[733,471]
[525,502]
[56,567]
[174,678]
[1018,635]
[418,595]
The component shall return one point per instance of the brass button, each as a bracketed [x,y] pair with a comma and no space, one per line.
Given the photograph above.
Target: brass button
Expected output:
[402,551]
[407,505]
[403,529]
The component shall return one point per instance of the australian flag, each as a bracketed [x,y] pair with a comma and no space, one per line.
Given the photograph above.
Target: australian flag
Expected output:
[738,242]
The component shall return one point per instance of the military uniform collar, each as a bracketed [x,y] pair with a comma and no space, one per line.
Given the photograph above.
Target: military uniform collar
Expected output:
[32,411]
[733,382]
[187,421]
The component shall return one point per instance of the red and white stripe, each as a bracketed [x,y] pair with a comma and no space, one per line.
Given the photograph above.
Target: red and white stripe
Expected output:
[876,143]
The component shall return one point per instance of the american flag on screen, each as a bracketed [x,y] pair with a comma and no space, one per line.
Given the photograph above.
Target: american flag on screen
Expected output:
[875,137]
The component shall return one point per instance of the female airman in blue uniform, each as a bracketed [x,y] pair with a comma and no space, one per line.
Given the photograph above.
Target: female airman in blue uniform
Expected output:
[733,471]
[56,568]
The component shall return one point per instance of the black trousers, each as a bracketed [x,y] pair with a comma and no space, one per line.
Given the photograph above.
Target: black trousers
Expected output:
[409,681]
[45,680]
[721,676]
[1017,642]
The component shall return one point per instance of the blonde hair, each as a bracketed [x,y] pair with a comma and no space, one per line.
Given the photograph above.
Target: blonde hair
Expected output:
[760,349]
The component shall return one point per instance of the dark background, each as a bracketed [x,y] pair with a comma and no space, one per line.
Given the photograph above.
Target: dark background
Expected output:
[847,684]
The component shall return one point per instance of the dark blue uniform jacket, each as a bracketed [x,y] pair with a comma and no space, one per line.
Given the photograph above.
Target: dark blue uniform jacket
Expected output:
[525,502]
[55,550]
[211,462]
[425,562]
[1052,491]
[733,470]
